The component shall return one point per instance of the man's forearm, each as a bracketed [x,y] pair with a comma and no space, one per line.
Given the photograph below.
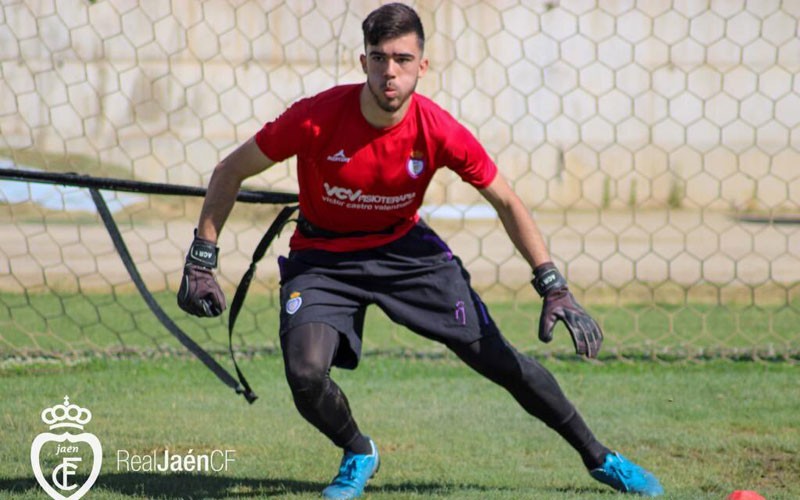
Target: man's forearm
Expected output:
[525,234]
[517,221]
[226,180]
[218,203]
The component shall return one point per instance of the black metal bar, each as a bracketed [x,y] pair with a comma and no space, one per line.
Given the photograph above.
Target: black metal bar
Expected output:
[111,184]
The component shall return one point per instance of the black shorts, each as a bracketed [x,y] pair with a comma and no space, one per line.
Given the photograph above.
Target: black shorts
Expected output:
[415,280]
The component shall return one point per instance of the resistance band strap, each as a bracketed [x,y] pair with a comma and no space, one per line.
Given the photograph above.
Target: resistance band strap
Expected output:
[244,284]
[130,186]
[191,345]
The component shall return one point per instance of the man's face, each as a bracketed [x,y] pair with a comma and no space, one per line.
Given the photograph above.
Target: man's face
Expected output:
[393,67]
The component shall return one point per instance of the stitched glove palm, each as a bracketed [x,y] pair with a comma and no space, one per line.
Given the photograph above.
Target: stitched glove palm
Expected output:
[560,305]
[200,294]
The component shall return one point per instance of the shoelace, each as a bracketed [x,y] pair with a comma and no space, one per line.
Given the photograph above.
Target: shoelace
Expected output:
[622,472]
[347,473]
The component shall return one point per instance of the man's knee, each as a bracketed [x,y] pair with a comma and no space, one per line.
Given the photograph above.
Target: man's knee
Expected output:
[490,355]
[305,375]
[498,360]
[307,354]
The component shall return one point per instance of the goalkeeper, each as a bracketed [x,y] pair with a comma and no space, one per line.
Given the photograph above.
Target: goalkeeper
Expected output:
[365,155]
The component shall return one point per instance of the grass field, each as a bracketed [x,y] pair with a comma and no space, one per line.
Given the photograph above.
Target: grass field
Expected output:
[705,428]
[706,424]
[73,323]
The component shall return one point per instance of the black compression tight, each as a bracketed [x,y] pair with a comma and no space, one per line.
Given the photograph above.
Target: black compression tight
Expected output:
[535,389]
[308,352]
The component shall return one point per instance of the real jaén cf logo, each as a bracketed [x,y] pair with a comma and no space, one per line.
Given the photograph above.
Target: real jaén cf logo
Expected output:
[66,455]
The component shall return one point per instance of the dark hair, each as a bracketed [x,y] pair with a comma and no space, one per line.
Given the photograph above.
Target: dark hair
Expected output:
[392,20]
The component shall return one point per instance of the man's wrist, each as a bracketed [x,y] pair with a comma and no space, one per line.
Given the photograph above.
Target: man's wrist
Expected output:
[202,253]
[547,278]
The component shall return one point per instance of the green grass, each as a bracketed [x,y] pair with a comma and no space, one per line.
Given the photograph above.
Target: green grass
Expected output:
[78,324]
[705,428]
[706,423]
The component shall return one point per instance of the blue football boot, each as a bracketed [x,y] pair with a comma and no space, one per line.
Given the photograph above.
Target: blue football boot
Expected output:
[627,477]
[354,472]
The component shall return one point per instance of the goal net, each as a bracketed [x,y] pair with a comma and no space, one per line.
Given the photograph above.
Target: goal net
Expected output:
[657,144]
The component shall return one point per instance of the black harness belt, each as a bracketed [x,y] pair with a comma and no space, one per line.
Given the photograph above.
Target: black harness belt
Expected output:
[310,230]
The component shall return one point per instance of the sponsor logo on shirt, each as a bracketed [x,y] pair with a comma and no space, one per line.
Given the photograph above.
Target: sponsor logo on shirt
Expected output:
[339,157]
[416,164]
[346,197]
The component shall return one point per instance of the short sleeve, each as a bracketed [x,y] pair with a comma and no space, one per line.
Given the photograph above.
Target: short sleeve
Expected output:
[463,154]
[284,137]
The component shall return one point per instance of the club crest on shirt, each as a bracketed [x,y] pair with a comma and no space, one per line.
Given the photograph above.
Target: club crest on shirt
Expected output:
[416,164]
[294,303]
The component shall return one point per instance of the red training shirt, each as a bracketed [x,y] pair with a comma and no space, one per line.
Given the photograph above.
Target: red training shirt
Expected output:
[355,177]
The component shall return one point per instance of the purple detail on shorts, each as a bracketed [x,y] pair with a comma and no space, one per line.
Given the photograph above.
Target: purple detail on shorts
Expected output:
[281,262]
[484,314]
[461,313]
[441,244]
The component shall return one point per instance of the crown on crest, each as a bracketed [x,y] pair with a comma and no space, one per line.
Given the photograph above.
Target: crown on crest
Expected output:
[66,415]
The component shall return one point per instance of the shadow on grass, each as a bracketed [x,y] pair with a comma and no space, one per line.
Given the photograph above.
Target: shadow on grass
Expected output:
[153,485]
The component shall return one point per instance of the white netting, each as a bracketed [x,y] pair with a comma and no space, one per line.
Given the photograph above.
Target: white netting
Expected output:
[657,142]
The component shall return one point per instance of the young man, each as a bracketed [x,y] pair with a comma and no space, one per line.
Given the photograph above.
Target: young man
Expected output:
[365,155]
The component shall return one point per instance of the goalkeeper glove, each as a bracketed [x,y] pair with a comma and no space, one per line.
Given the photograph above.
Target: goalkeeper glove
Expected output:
[200,294]
[559,304]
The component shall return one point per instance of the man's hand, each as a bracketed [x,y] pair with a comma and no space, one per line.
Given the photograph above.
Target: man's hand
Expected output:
[200,293]
[559,304]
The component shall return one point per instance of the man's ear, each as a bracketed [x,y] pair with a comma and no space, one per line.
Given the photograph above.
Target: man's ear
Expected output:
[363,60]
[423,67]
